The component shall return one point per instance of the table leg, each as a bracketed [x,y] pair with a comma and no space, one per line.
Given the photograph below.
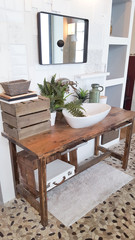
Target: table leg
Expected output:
[73,158]
[13,156]
[96,152]
[127,145]
[42,191]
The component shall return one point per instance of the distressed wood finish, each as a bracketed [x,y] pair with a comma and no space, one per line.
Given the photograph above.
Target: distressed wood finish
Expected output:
[109,136]
[13,156]
[27,164]
[127,145]
[28,131]
[42,191]
[53,157]
[62,137]
[92,162]
[64,157]
[48,146]
[73,158]
[113,154]
[96,151]
[28,196]
[28,107]
[26,119]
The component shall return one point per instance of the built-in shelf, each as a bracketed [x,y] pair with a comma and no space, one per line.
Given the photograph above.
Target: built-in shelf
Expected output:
[120,19]
[116,61]
[118,53]
[113,94]
[118,40]
[92,75]
[113,82]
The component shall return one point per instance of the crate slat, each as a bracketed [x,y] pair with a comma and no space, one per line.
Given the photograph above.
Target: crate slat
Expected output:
[8,108]
[28,131]
[24,108]
[27,120]
[9,119]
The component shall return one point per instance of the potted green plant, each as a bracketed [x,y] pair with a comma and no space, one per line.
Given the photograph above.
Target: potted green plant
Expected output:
[82,94]
[55,90]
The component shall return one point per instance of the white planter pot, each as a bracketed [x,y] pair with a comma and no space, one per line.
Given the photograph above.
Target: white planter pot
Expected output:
[53,117]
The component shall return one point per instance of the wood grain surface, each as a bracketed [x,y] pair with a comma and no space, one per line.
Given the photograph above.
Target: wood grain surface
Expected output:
[62,137]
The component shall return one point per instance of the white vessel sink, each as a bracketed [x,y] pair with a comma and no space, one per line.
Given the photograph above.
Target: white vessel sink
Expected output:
[95,112]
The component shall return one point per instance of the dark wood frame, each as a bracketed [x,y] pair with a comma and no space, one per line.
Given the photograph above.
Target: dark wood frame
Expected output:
[46,147]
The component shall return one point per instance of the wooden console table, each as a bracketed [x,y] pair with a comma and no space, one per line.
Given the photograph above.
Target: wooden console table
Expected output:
[49,146]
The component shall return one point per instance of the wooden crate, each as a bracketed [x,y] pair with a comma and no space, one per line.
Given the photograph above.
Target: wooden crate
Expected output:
[109,136]
[26,119]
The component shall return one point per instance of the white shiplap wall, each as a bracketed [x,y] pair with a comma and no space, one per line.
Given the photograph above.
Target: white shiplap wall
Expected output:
[19,52]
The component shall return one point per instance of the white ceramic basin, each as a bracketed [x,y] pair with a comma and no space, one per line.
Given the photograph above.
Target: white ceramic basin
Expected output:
[95,112]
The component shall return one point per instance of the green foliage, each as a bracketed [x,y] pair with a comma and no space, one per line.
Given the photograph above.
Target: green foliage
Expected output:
[55,90]
[75,108]
[82,94]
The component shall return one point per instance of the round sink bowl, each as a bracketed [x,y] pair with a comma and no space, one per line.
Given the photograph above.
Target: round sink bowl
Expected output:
[95,112]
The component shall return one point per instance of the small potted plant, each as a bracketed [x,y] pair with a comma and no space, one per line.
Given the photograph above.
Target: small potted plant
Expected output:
[55,90]
[82,94]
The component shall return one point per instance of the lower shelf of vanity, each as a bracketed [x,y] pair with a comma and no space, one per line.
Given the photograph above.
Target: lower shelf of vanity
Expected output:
[57,172]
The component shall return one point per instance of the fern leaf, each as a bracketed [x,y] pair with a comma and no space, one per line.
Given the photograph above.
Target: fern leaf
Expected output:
[75,108]
[46,89]
[53,79]
[41,88]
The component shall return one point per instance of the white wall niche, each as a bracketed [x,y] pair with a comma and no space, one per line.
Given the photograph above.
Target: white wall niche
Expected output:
[116,61]
[120,18]
[113,94]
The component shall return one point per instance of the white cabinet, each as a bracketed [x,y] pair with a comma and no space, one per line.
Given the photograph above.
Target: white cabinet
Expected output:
[118,51]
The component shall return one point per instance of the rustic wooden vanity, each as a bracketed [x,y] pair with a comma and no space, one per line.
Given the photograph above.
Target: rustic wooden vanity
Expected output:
[48,146]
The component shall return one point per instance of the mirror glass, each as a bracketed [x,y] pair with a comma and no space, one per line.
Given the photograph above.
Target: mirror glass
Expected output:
[62,39]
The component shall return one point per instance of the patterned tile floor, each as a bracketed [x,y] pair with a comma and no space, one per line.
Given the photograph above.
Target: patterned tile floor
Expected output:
[112,219]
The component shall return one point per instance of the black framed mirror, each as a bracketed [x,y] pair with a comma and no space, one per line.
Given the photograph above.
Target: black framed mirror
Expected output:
[62,39]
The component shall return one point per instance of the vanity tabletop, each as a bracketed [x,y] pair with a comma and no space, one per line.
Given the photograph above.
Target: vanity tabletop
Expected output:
[62,137]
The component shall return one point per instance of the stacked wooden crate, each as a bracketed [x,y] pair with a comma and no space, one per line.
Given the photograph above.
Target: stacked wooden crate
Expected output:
[24,119]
